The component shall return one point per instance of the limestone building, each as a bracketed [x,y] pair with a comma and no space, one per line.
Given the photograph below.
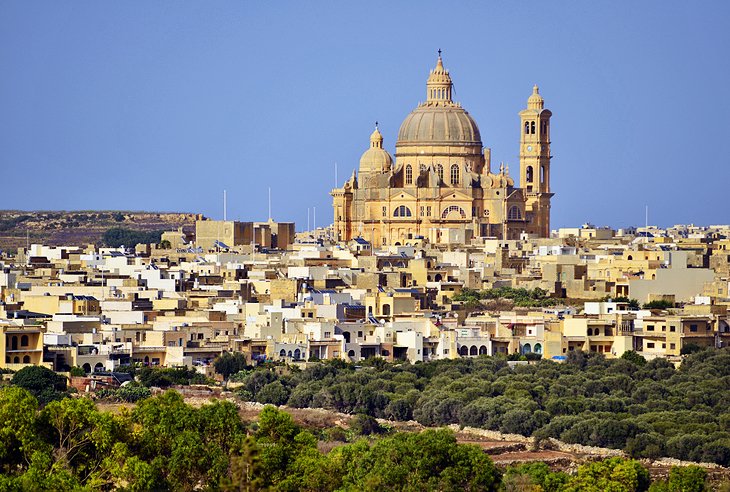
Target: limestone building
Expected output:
[441,182]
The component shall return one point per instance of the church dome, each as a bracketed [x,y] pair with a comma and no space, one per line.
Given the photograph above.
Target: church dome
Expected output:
[435,125]
[376,159]
[439,120]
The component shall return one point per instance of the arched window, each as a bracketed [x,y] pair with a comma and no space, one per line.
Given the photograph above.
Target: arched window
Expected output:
[537,349]
[440,171]
[24,341]
[453,208]
[402,211]
[532,127]
[529,173]
[386,309]
[454,174]
[409,174]
[527,127]
[473,350]
[542,174]
[26,359]
[543,126]
[514,213]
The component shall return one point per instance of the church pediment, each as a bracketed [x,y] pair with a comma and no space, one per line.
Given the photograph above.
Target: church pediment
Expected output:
[455,195]
[402,195]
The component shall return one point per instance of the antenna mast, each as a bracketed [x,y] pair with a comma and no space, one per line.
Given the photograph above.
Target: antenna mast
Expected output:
[225,206]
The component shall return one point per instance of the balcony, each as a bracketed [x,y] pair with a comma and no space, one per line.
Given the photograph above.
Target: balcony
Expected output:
[138,350]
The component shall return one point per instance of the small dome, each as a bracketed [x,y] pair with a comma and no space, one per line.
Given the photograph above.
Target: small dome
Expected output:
[535,101]
[439,124]
[375,160]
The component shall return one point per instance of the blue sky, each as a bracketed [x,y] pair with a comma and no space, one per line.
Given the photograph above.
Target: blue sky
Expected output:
[162,105]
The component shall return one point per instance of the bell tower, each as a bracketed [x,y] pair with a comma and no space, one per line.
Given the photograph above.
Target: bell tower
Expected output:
[535,163]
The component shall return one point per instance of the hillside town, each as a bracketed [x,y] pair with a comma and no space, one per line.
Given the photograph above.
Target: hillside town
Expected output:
[275,295]
[431,255]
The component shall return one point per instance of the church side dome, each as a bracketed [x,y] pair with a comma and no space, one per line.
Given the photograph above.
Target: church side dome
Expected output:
[439,121]
[376,159]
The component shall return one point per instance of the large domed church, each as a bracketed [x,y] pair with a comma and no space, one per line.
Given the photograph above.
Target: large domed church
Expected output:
[441,180]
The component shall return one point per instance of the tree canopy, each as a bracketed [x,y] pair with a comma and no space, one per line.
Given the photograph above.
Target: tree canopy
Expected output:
[648,409]
[165,444]
[44,384]
[121,236]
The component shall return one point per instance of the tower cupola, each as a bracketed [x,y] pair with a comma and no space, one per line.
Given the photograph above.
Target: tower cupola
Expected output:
[535,101]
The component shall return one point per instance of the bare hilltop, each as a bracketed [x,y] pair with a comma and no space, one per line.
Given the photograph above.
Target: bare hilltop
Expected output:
[18,227]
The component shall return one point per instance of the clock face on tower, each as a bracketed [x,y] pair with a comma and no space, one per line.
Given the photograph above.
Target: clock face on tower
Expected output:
[529,148]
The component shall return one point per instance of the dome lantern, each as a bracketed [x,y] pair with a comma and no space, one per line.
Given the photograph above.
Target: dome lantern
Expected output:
[376,138]
[439,85]
[439,120]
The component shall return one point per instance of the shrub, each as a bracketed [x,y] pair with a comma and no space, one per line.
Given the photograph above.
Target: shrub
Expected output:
[364,425]
[41,382]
